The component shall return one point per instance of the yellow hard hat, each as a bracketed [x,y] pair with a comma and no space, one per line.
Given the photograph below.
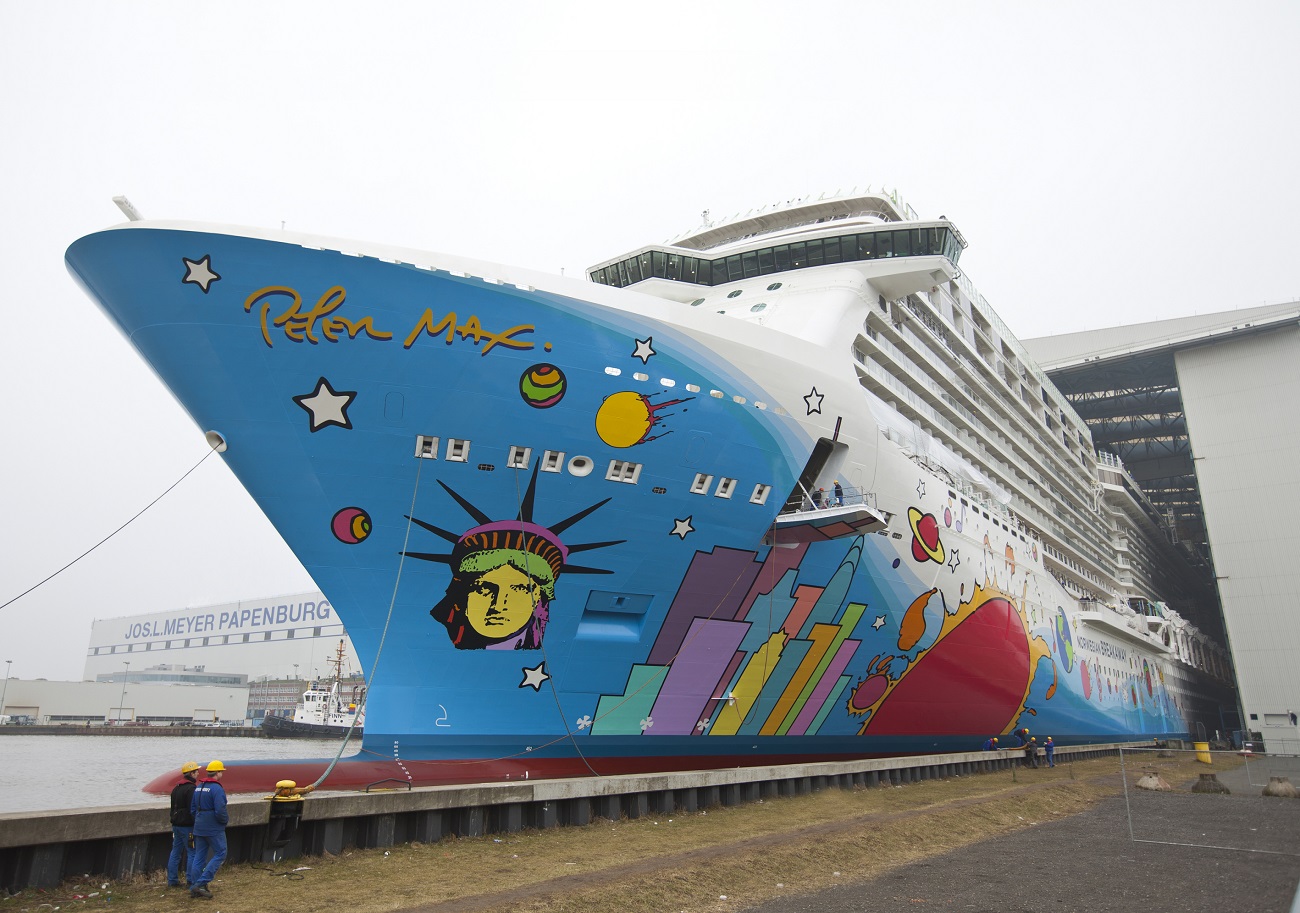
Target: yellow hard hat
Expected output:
[188,766]
[215,766]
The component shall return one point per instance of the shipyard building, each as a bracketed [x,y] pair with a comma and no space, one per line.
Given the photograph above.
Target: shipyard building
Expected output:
[1199,417]
[281,637]
[233,663]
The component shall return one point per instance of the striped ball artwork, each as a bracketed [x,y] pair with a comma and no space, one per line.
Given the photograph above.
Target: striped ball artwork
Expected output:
[542,386]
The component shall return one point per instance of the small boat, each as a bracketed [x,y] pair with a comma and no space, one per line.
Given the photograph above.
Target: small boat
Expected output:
[325,712]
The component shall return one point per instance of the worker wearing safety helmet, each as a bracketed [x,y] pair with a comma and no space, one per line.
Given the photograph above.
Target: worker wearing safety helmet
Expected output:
[209,809]
[182,821]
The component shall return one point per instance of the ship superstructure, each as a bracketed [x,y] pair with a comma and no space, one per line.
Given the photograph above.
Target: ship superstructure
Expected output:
[784,488]
[951,385]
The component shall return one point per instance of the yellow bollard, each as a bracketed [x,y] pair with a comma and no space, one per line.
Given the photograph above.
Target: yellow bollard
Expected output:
[1202,752]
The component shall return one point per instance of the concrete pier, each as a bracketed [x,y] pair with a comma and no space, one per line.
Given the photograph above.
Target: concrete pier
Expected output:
[42,849]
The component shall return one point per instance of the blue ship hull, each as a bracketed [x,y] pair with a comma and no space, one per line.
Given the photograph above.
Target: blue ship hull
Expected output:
[554,512]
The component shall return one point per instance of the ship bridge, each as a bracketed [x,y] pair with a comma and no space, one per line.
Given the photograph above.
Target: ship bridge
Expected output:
[799,235]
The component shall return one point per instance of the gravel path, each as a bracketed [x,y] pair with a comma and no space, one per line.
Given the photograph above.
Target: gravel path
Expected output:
[1248,859]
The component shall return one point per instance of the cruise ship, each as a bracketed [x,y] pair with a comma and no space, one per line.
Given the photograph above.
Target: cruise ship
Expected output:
[781,489]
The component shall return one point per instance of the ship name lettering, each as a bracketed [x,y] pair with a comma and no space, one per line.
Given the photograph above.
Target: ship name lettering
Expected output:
[470,329]
[301,327]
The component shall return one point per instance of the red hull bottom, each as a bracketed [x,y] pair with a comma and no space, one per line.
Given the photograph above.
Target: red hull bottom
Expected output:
[360,773]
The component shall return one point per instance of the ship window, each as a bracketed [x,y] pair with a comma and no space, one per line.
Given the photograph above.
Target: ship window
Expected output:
[674,267]
[266,636]
[289,634]
[426,447]
[757,307]
[885,244]
[760,494]
[866,246]
[725,488]
[667,382]
[902,243]
[782,255]
[798,256]
[701,484]
[774,286]
[766,263]
[553,461]
[659,259]
[315,632]
[719,272]
[816,255]
[697,302]
[832,248]
[717,394]
[623,471]
[633,270]
[519,457]
[734,269]
[457,450]
[622,274]
[760,406]
[693,388]
[749,264]
[580,466]
[644,263]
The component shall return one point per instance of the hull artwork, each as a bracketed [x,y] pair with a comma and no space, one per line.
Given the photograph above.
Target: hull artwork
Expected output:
[585,493]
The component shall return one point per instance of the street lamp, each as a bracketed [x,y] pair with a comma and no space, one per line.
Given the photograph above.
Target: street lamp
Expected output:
[8,663]
[122,700]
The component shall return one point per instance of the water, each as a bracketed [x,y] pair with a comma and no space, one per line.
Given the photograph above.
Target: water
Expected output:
[47,772]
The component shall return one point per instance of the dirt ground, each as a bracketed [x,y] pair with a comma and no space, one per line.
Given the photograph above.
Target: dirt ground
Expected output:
[1050,839]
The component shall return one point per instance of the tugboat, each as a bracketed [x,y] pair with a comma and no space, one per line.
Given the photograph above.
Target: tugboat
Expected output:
[323,713]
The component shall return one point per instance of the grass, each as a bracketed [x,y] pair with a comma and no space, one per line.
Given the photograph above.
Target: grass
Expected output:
[687,862]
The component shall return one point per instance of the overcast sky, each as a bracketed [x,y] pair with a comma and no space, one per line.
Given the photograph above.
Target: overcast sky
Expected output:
[1108,163]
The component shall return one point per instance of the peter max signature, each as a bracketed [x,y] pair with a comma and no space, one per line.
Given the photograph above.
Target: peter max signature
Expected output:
[321,322]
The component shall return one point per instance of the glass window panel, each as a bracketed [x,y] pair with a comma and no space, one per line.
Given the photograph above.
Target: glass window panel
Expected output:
[734,268]
[598,276]
[902,243]
[798,256]
[634,270]
[815,252]
[688,269]
[719,272]
[782,256]
[920,241]
[622,274]
[660,263]
[866,246]
[765,262]
[832,248]
[749,262]
[645,265]
[674,266]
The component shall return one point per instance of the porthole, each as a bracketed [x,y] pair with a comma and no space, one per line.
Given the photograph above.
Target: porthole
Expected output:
[697,302]
[580,466]
[735,294]
[754,309]
[774,286]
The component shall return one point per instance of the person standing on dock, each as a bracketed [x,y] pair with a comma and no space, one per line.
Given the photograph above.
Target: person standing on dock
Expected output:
[182,823]
[208,806]
[1049,749]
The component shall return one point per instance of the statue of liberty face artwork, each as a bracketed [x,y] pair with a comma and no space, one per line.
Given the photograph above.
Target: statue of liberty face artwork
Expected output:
[503,576]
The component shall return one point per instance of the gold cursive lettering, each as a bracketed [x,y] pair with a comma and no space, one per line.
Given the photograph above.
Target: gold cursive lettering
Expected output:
[299,326]
[322,322]
[470,329]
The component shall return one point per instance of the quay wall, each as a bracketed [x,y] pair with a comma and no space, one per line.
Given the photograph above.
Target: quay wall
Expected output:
[44,848]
